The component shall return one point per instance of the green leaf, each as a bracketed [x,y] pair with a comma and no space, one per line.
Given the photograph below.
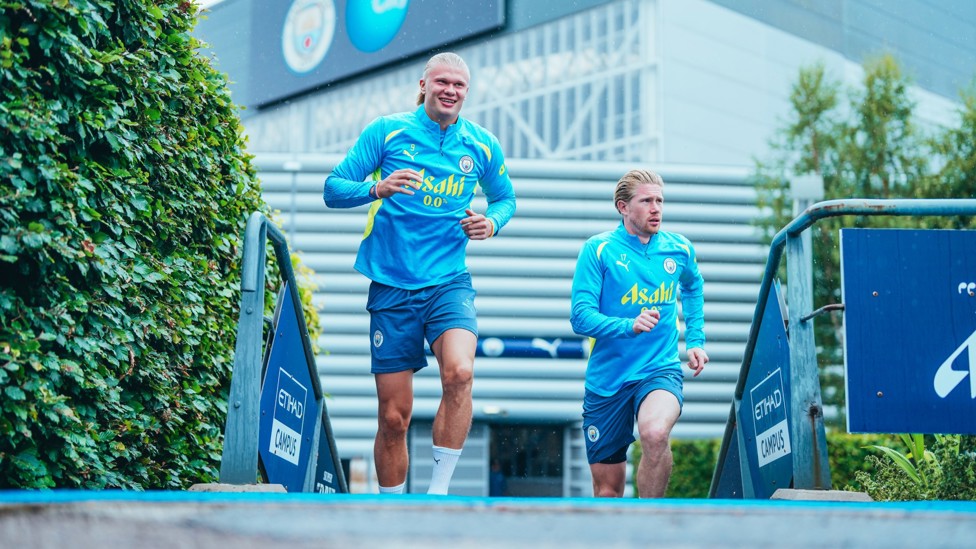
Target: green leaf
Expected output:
[14,393]
[901,461]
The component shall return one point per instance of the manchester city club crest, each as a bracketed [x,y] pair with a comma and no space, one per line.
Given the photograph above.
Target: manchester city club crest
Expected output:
[307,34]
[466,164]
[377,339]
[592,433]
[670,266]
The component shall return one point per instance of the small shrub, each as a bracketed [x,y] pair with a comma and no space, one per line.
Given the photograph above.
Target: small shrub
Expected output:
[912,473]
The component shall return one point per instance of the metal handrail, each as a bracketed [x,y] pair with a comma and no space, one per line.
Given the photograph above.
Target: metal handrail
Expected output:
[836,208]
[812,214]
[239,462]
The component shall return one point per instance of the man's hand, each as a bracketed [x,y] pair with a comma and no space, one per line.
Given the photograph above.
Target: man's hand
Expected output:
[697,359]
[477,226]
[400,181]
[646,321]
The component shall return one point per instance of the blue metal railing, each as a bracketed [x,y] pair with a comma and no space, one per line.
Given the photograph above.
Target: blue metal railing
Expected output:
[239,462]
[810,463]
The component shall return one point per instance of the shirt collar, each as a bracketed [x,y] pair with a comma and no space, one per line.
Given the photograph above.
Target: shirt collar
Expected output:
[429,124]
[631,239]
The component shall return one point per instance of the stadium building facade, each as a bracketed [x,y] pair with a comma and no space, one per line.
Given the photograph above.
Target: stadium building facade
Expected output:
[578,93]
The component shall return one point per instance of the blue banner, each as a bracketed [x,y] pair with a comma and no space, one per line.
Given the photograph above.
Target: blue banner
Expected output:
[763,417]
[289,408]
[910,330]
[301,45]
[533,347]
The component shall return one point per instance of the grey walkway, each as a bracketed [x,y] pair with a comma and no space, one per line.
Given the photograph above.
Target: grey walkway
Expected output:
[112,519]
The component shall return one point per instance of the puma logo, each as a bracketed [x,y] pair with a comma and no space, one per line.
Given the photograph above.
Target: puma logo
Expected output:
[436,461]
[551,348]
[621,262]
[412,156]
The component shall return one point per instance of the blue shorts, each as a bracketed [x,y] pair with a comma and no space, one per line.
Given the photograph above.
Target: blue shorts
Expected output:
[608,422]
[400,320]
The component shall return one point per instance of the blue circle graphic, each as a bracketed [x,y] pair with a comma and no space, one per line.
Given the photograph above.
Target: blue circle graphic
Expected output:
[372,24]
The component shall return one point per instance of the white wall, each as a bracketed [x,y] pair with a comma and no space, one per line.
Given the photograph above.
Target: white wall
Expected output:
[726,80]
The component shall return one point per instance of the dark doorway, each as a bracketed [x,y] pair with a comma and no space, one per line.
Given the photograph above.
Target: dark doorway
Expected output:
[526,460]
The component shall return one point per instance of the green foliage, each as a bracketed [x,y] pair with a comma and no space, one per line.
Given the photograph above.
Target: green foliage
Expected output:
[868,146]
[695,461]
[913,472]
[847,454]
[694,465]
[124,190]
[306,288]
[956,148]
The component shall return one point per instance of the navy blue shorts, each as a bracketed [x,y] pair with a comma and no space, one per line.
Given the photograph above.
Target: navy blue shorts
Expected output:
[400,320]
[608,422]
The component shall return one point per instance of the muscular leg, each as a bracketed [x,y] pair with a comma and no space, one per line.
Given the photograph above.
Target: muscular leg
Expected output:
[454,350]
[608,479]
[395,394]
[655,419]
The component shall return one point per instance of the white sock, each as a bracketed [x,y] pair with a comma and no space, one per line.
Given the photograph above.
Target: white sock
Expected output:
[445,459]
[393,489]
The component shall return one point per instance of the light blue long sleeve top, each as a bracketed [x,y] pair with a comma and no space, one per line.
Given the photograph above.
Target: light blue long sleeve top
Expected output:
[616,278]
[415,241]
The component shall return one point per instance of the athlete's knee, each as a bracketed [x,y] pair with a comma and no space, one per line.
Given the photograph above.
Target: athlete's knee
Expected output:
[607,490]
[457,377]
[654,435]
[393,423]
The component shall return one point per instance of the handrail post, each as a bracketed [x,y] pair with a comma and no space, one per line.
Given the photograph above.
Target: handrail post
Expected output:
[242,432]
[239,463]
[811,470]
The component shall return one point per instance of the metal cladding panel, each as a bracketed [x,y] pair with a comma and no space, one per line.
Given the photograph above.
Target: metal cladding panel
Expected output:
[910,325]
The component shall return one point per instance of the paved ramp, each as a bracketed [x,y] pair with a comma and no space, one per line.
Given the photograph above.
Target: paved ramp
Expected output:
[114,519]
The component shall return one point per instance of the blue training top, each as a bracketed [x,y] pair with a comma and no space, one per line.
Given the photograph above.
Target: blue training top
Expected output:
[616,278]
[417,241]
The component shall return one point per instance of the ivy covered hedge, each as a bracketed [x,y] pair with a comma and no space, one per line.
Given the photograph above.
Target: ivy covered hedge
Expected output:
[124,190]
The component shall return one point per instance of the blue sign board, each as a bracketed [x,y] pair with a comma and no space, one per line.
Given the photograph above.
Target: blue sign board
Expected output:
[536,347]
[301,45]
[328,478]
[763,420]
[910,330]
[289,408]
[768,404]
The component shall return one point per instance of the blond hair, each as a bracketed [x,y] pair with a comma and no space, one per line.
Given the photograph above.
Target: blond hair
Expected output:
[629,182]
[447,58]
